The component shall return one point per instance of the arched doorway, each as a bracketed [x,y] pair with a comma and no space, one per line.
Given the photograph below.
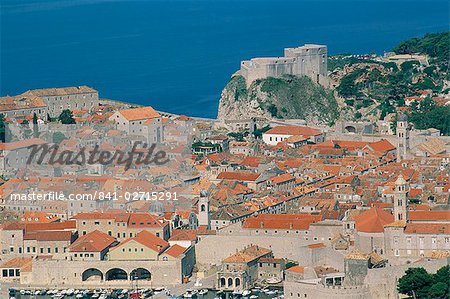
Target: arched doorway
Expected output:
[237,282]
[222,282]
[92,274]
[140,274]
[116,274]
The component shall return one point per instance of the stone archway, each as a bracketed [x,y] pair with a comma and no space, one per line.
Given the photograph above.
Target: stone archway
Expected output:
[92,274]
[350,129]
[116,274]
[140,274]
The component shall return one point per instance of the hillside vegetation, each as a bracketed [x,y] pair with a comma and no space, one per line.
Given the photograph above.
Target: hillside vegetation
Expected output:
[372,89]
[285,97]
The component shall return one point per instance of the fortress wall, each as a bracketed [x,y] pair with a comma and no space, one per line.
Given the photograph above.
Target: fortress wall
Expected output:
[213,249]
[69,273]
[382,282]
[303,290]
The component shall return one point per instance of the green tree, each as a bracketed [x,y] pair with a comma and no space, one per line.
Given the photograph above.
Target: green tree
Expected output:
[2,128]
[66,117]
[35,126]
[416,283]
[58,137]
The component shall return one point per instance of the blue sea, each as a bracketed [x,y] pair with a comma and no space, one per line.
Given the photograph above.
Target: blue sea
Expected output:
[177,55]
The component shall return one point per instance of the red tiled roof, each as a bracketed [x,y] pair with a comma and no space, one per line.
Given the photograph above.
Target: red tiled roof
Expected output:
[238,176]
[382,146]
[296,269]
[183,234]
[282,178]
[149,240]
[95,241]
[373,220]
[429,215]
[139,113]
[49,236]
[175,250]
[316,245]
[281,221]
[428,228]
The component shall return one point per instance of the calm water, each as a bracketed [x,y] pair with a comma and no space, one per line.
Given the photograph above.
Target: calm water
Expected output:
[178,54]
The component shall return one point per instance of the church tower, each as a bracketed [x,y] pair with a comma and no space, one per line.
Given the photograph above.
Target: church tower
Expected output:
[402,137]
[203,210]
[401,200]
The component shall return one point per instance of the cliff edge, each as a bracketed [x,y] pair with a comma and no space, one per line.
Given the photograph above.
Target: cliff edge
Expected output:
[286,97]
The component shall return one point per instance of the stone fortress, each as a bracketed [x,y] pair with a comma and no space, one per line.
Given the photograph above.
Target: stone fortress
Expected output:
[308,60]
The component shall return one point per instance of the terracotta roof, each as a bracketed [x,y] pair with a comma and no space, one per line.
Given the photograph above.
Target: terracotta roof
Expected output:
[382,146]
[49,236]
[293,130]
[175,250]
[373,220]
[61,91]
[281,221]
[149,240]
[429,215]
[95,241]
[285,177]
[247,255]
[251,161]
[238,176]
[139,113]
[316,245]
[296,269]
[183,118]
[18,263]
[21,102]
[37,217]
[183,234]
[428,228]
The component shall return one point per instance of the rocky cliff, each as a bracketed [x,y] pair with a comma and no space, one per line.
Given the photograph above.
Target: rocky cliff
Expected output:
[286,97]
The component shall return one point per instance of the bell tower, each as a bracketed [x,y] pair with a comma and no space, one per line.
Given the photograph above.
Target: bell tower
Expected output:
[401,200]
[203,210]
[402,137]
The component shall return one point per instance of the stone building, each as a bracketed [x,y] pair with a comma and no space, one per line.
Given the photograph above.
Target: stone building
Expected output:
[23,106]
[283,133]
[143,121]
[308,60]
[72,98]
[240,270]
[402,137]
[122,225]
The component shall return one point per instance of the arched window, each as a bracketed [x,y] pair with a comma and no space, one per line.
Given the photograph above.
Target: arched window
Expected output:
[230,282]
[202,208]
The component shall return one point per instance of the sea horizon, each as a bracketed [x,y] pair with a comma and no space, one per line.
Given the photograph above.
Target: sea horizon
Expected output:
[131,51]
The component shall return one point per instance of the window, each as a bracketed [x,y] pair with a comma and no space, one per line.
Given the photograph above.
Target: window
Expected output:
[165,258]
[397,253]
